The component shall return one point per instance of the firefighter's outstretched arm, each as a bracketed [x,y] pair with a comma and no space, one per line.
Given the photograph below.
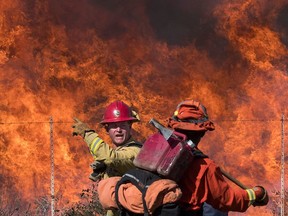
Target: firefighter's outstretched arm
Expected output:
[257,195]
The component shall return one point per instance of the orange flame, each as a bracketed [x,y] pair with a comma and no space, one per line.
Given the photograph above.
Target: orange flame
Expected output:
[66,59]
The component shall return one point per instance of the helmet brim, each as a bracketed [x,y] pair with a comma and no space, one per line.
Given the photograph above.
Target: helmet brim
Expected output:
[131,119]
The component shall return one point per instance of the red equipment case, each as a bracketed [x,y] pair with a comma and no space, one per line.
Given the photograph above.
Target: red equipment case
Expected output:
[169,158]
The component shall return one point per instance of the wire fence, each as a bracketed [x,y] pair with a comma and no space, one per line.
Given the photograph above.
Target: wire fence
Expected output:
[279,124]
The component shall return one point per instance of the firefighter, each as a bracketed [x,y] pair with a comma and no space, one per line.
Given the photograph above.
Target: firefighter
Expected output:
[108,161]
[204,181]
[202,185]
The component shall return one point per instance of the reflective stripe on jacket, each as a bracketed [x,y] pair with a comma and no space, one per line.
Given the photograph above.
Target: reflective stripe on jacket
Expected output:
[118,160]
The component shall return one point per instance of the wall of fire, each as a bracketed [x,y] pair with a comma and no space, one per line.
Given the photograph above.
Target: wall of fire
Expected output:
[72,58]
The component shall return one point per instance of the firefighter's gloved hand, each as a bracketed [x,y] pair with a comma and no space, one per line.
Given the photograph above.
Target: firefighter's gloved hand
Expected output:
[98,170]
[261,196]
[95,176]
[98,165]
[80,128]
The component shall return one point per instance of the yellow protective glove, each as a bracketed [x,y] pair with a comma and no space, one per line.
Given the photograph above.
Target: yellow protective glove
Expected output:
[80,128]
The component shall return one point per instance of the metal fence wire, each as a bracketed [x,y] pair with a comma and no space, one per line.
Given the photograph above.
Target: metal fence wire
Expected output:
[65,157]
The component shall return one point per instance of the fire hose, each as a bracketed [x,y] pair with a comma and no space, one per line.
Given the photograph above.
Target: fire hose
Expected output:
[234,180]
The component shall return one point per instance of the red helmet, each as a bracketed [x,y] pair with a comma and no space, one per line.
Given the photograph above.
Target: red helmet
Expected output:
[192,116]
[118,111]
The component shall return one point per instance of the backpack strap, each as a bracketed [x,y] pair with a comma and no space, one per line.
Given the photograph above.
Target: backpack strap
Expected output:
[141,179]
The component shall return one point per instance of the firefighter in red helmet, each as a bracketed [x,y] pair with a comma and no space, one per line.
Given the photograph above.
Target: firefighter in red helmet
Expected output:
[117,120]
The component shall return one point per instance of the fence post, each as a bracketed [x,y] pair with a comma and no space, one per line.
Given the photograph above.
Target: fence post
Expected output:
[282,167]
[52,167]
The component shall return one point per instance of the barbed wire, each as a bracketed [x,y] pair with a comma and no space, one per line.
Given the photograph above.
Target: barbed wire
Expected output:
[37,122]
[213,120]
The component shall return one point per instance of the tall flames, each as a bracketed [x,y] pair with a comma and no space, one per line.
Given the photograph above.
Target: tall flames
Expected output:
[71,58]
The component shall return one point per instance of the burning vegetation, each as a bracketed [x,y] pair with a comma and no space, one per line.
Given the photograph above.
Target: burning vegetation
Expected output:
[71,58]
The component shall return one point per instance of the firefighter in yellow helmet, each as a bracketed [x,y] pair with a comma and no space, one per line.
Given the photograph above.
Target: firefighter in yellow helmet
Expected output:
[204,182]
